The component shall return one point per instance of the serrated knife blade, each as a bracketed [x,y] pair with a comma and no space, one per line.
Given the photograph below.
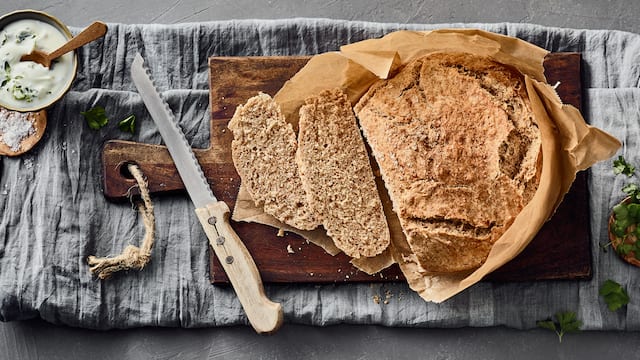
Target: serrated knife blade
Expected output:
[190,171]
[264,315]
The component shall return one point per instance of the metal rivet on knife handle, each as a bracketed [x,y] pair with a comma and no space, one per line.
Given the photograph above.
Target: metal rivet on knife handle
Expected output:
[212,220]
[229,259]
[220,240]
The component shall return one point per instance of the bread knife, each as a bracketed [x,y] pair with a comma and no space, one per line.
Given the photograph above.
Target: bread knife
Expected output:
[264,315]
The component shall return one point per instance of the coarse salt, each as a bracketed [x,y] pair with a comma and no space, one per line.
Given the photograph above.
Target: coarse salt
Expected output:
[15,127]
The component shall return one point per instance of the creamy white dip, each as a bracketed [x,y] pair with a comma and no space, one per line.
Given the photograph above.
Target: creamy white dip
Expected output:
[26,84]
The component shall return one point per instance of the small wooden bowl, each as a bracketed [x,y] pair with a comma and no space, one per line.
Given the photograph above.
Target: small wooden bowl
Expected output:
[39,125]
[616,241]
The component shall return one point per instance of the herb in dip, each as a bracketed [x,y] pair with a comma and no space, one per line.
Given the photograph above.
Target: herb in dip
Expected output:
[5,76]
[25,34]
[26,85]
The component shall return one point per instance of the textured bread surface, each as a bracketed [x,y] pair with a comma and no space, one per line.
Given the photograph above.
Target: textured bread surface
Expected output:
[263,151]
[337,175]
[458,148]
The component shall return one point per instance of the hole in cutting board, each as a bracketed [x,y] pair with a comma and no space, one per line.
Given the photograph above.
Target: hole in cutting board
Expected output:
[123,169]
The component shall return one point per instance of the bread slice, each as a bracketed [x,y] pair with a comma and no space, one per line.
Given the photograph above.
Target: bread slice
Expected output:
[263,151]
[337,176]
[458,148]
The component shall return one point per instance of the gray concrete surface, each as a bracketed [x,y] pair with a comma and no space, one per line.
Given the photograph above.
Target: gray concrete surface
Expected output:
[591,14]
[36,339]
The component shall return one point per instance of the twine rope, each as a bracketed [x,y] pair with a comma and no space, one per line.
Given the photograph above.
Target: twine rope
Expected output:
[132,257]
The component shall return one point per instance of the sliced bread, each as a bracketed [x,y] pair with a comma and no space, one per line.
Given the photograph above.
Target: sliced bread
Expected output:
[337,177]
[263,152]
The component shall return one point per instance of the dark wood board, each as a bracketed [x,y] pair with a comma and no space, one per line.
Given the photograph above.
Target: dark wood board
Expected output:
[560,251]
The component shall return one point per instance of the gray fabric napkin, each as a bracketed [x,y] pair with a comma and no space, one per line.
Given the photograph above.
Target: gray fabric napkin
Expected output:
[53,213]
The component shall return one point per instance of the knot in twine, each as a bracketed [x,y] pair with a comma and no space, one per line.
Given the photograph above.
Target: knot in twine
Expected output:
[132,257]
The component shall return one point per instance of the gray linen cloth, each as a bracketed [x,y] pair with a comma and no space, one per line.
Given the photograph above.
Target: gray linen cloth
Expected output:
[53,213]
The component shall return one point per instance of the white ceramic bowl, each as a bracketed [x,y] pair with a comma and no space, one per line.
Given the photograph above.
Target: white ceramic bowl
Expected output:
[67,80]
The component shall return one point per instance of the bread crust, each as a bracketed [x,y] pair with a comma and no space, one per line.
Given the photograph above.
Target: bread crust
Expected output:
[263,151]
[458,146]
[337,176]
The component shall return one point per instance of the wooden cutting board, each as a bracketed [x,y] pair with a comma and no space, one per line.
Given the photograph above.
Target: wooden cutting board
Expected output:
[561,250]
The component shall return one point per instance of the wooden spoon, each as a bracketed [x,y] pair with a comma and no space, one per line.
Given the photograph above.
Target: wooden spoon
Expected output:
[92,32]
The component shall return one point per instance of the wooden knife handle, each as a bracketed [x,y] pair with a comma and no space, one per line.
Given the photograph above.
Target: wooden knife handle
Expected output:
[264,315]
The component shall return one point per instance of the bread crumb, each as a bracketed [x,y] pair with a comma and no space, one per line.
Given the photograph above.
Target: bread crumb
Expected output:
[376,299]
[280,232]
[290,249]
[387,296]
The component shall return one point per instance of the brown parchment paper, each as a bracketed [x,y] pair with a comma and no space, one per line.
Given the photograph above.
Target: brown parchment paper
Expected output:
[568,143]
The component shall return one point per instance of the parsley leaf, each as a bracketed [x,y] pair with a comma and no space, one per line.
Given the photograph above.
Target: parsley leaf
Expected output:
[565,322]
[627,214]
[96,117]
[614,295]
[633,191]
[624,249]
[569,321]
[620,166]
[23,35]
[22,93]
[128,124]
[7,71]
[546,324]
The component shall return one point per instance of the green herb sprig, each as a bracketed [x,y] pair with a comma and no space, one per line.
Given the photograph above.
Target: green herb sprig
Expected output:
[627,213]
[96,118]
[128,124]
[565,322]
[621,166]
[614,295]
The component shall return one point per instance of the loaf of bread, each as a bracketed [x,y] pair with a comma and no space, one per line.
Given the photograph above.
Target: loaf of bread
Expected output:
[458,149]
[263,152]
[337,177]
